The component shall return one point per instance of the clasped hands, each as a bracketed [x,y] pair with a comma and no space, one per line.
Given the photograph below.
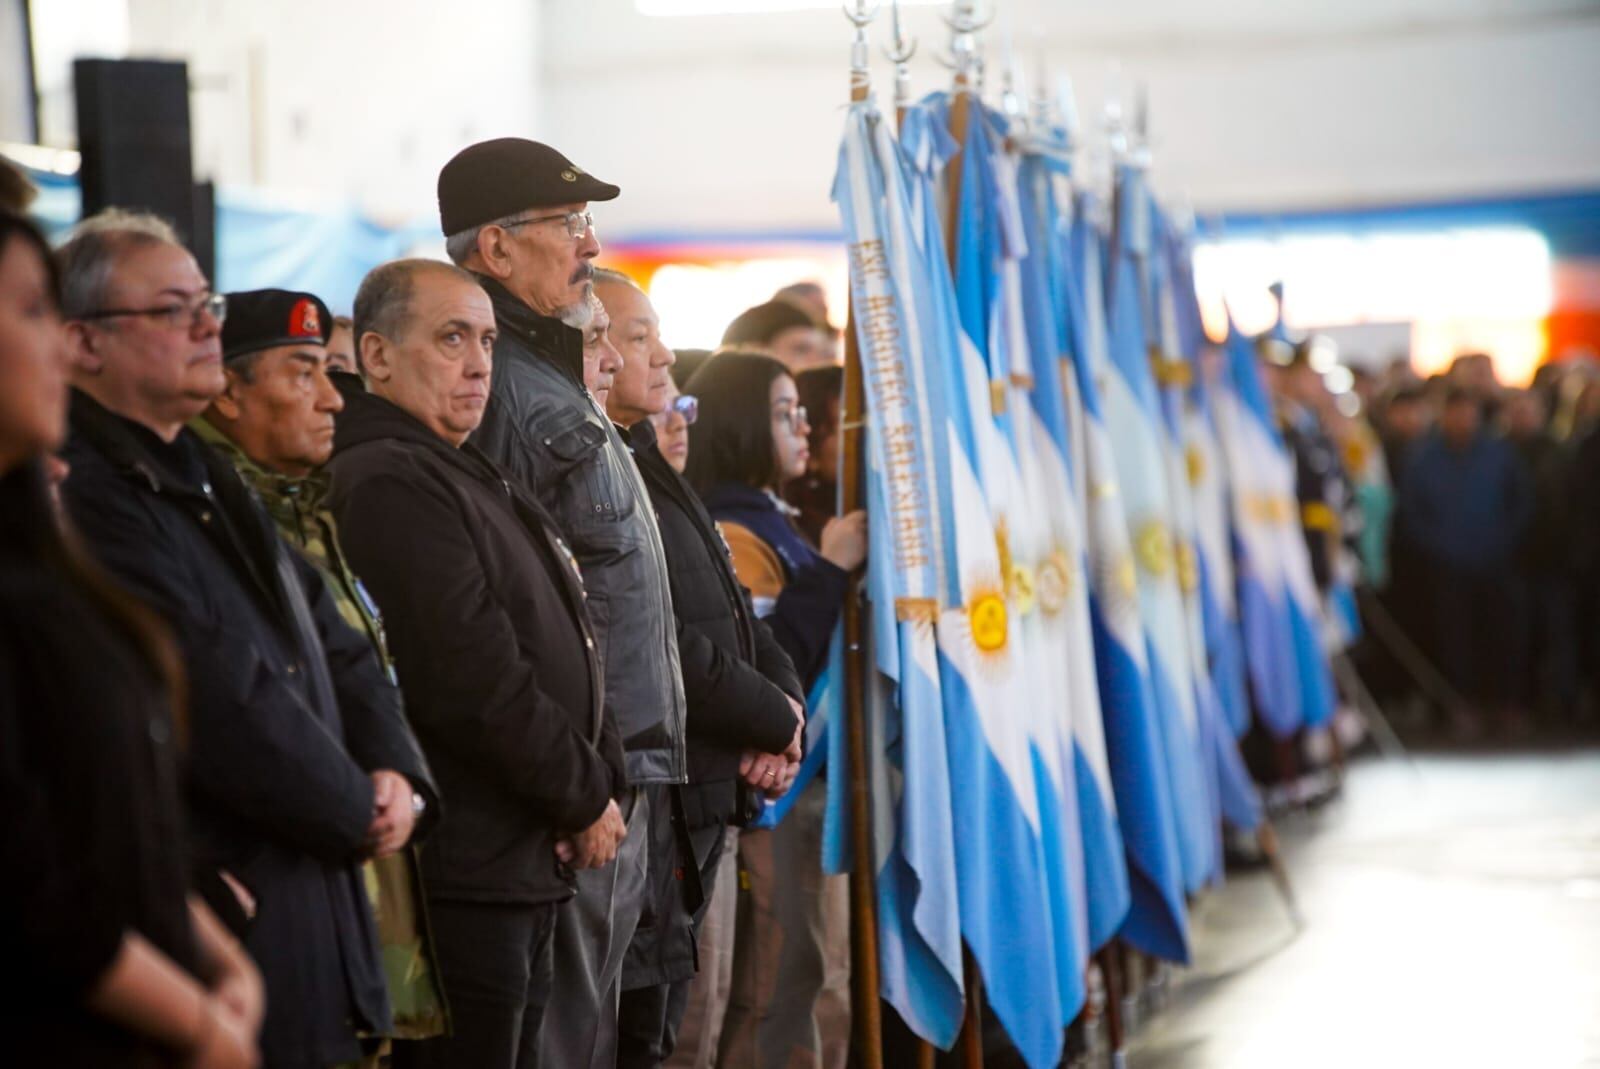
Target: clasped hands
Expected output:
[773,773]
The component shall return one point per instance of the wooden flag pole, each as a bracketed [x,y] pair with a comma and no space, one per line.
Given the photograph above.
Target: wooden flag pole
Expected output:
[865,983]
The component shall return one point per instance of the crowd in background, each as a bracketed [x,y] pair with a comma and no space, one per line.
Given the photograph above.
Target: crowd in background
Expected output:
[1471,510]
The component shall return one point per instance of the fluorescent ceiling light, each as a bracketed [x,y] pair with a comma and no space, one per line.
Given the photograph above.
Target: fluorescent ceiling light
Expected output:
[747,7]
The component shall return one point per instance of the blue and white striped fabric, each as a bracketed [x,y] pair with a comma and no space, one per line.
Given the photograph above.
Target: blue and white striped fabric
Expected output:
[1002,867]
[1156,922]
[1037,533]
[1064,587]
[1135,418]
[909,578]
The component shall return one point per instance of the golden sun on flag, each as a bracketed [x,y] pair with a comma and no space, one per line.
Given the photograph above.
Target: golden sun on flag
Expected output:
[1055,582]
[1153,544]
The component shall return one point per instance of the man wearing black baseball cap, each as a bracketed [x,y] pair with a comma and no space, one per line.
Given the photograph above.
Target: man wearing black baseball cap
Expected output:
[515,212]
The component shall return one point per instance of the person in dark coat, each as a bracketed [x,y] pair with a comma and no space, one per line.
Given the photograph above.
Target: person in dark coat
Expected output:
[744,698]
[301,764]
[515,213]
[274,423]
[494,652]
[112,964]
[1467,500]
[1585,546]
[789,1002]
[1544,677]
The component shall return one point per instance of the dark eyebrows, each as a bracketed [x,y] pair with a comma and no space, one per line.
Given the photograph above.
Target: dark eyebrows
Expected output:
[305,356]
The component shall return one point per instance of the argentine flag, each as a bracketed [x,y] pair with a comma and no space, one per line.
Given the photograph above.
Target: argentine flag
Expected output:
[1135,418]
[1002,867]
[1033,516]
[1064,582]
[910,563]
[1156,923]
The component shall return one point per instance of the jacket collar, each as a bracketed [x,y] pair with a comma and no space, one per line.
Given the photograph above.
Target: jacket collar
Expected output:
[544,336]
[287,497]
[369,418]
[131,448]
[737,496]
[641,437]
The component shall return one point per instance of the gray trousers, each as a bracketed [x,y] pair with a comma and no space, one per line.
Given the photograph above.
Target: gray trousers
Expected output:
[591,939]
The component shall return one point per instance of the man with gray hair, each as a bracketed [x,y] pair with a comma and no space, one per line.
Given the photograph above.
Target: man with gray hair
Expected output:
[515,212]
[494,651]
[300,764]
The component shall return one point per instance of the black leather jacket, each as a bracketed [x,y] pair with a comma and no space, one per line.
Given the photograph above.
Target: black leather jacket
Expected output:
[544,427]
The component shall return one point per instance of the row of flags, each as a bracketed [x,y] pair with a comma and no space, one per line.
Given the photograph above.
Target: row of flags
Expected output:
[1086,574]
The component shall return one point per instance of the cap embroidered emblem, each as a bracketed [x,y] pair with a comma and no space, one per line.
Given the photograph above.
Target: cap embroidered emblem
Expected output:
[570,176]
[304,320]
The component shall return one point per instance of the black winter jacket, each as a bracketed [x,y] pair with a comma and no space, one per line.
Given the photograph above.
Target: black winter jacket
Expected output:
[735,675]
[543,427]
[93,845]
[290,712]
[483,606]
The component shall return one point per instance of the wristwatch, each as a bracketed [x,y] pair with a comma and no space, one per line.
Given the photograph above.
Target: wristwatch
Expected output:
[419,805]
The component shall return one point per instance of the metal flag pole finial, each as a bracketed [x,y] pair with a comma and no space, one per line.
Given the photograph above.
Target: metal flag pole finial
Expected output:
[861,15]
[1140,142]
[900,55]
[965,22]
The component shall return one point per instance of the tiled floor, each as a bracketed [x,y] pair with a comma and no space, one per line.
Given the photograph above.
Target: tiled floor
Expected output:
[1452,920]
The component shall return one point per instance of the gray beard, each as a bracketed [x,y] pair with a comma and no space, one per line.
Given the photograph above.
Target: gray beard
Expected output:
[581,314]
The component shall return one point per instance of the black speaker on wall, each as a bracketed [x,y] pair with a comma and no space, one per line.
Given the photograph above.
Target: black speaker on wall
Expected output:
[134,137]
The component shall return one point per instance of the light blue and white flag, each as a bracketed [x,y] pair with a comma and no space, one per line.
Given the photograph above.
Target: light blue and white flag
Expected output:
[1135,418]
[1157,922]
[910,561]
[1007,911]
[1033,514]
[1063,581]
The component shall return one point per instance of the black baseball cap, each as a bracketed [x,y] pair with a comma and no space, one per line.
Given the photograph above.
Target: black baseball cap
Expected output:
[494,179]
[265,319]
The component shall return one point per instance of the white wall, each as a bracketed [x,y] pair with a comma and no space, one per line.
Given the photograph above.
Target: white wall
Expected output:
[326,100]
[727,124]
[731,122]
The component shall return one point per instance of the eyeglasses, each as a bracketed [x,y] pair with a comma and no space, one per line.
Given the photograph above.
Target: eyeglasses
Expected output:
[173,316]
[793,418]
[578,223]
[688,406]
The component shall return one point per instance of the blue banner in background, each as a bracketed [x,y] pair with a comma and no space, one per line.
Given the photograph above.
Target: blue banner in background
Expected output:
[263,244]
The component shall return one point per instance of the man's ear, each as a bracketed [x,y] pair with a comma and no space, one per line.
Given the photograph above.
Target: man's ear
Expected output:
[372,356]
[226,403]
[494,253]
[81,351]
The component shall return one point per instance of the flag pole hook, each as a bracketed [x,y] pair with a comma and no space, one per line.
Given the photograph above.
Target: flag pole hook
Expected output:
[900,54]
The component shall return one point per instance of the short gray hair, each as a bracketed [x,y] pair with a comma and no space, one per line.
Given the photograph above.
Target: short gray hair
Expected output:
[463,243]
[383,303]
[92,252]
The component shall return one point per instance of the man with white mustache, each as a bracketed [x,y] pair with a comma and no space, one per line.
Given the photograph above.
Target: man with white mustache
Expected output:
[515,213]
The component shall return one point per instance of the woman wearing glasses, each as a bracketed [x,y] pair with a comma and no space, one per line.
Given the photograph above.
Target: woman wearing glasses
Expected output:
[789,1002]
[117,968]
